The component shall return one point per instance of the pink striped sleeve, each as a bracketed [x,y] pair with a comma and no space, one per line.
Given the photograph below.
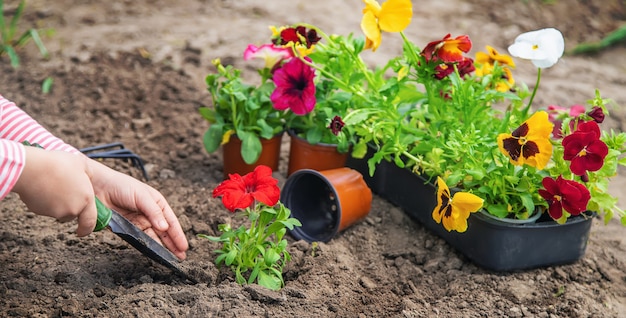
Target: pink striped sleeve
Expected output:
[11,165]
[18,126]
[15,127]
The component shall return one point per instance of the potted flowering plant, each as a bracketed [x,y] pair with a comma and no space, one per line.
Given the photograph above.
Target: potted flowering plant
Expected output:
[310,92]
[257,253]
[463,128]
[242,116]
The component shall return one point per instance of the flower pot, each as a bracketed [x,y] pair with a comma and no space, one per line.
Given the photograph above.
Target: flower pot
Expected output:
[234,163]
[303,155]
[325,202]
[489,242]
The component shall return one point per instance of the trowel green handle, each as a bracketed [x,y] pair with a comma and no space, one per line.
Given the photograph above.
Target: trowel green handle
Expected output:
[104,215]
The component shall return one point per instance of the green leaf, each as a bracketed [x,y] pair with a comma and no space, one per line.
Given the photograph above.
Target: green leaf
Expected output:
[269,281]
[46,86]
[212,138]
[250,146]
[230,257]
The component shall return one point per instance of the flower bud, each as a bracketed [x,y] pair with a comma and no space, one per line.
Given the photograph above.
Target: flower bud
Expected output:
[597,114]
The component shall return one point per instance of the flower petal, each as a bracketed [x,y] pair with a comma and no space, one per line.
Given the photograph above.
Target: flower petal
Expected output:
[395,15]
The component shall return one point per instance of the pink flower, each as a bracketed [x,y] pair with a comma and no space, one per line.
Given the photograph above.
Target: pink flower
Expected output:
[557,113]
[294,87]
[271,53]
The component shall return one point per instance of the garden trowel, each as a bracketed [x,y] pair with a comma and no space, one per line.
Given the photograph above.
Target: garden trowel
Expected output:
[137,238]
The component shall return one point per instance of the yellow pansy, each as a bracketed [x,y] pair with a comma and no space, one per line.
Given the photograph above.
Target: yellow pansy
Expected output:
[530,142]
[391,16]
[453,211]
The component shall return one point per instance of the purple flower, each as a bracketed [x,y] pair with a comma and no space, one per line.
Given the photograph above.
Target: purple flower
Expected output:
[294,87]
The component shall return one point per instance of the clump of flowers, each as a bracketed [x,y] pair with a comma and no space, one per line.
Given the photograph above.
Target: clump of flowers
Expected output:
[467,124]
[255,252]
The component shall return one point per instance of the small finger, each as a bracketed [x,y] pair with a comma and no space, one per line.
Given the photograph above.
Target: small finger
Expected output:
[170,244]
[87,219]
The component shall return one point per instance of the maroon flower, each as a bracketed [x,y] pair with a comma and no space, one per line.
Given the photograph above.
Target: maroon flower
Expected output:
[465,67]
[597,114]
[584,148]
[240,192]
[563,194]
[298,35]
[294,87]
[336,125]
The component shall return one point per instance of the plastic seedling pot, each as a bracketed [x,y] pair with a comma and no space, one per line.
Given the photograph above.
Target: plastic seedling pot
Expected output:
[325,202]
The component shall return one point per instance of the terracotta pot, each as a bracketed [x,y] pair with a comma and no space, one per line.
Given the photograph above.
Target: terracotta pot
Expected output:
[303,155]
[234,163]
[326,202]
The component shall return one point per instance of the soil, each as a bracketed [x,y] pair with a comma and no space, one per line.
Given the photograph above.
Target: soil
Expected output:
[133,72]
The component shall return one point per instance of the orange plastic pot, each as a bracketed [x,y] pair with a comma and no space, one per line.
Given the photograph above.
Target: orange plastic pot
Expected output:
[325,202]
[303,155]
[234,163]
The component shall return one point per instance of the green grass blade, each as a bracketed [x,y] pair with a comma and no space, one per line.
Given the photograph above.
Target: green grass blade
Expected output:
[14,20]
[3,28]
[15,60]
[42,49]
[46,86]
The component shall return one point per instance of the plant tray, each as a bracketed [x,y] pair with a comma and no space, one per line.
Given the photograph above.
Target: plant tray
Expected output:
[489,243]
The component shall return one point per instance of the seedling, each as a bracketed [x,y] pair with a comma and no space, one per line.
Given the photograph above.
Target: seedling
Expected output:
[10,42]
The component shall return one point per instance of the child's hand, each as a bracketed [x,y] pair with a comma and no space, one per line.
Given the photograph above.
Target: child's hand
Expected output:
[58,184]
[141,204]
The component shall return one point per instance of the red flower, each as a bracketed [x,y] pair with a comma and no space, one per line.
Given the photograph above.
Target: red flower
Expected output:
[563,194]
[465,67]
[336,125]
[297,35]
[448,50]
[597,114]
[584,148]
[241,192]
[294,87]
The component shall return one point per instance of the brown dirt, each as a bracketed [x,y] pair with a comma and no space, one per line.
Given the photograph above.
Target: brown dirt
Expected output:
[386,266]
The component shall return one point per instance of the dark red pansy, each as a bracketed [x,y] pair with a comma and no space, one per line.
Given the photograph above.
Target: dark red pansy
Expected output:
[584,148]
[336,125]
[562,194]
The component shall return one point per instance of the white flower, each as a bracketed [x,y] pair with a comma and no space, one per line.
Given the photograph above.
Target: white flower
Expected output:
[543,47]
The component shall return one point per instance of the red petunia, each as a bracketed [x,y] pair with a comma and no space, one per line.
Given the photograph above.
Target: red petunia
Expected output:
[294,87]
[563,194]
[448,50]
[584,148]
[241,192]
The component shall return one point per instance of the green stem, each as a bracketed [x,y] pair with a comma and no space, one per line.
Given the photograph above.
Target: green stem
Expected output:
[233,111]
[410,47]
[532,97]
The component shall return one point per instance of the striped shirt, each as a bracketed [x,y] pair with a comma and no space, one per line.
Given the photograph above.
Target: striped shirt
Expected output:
[15,127]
